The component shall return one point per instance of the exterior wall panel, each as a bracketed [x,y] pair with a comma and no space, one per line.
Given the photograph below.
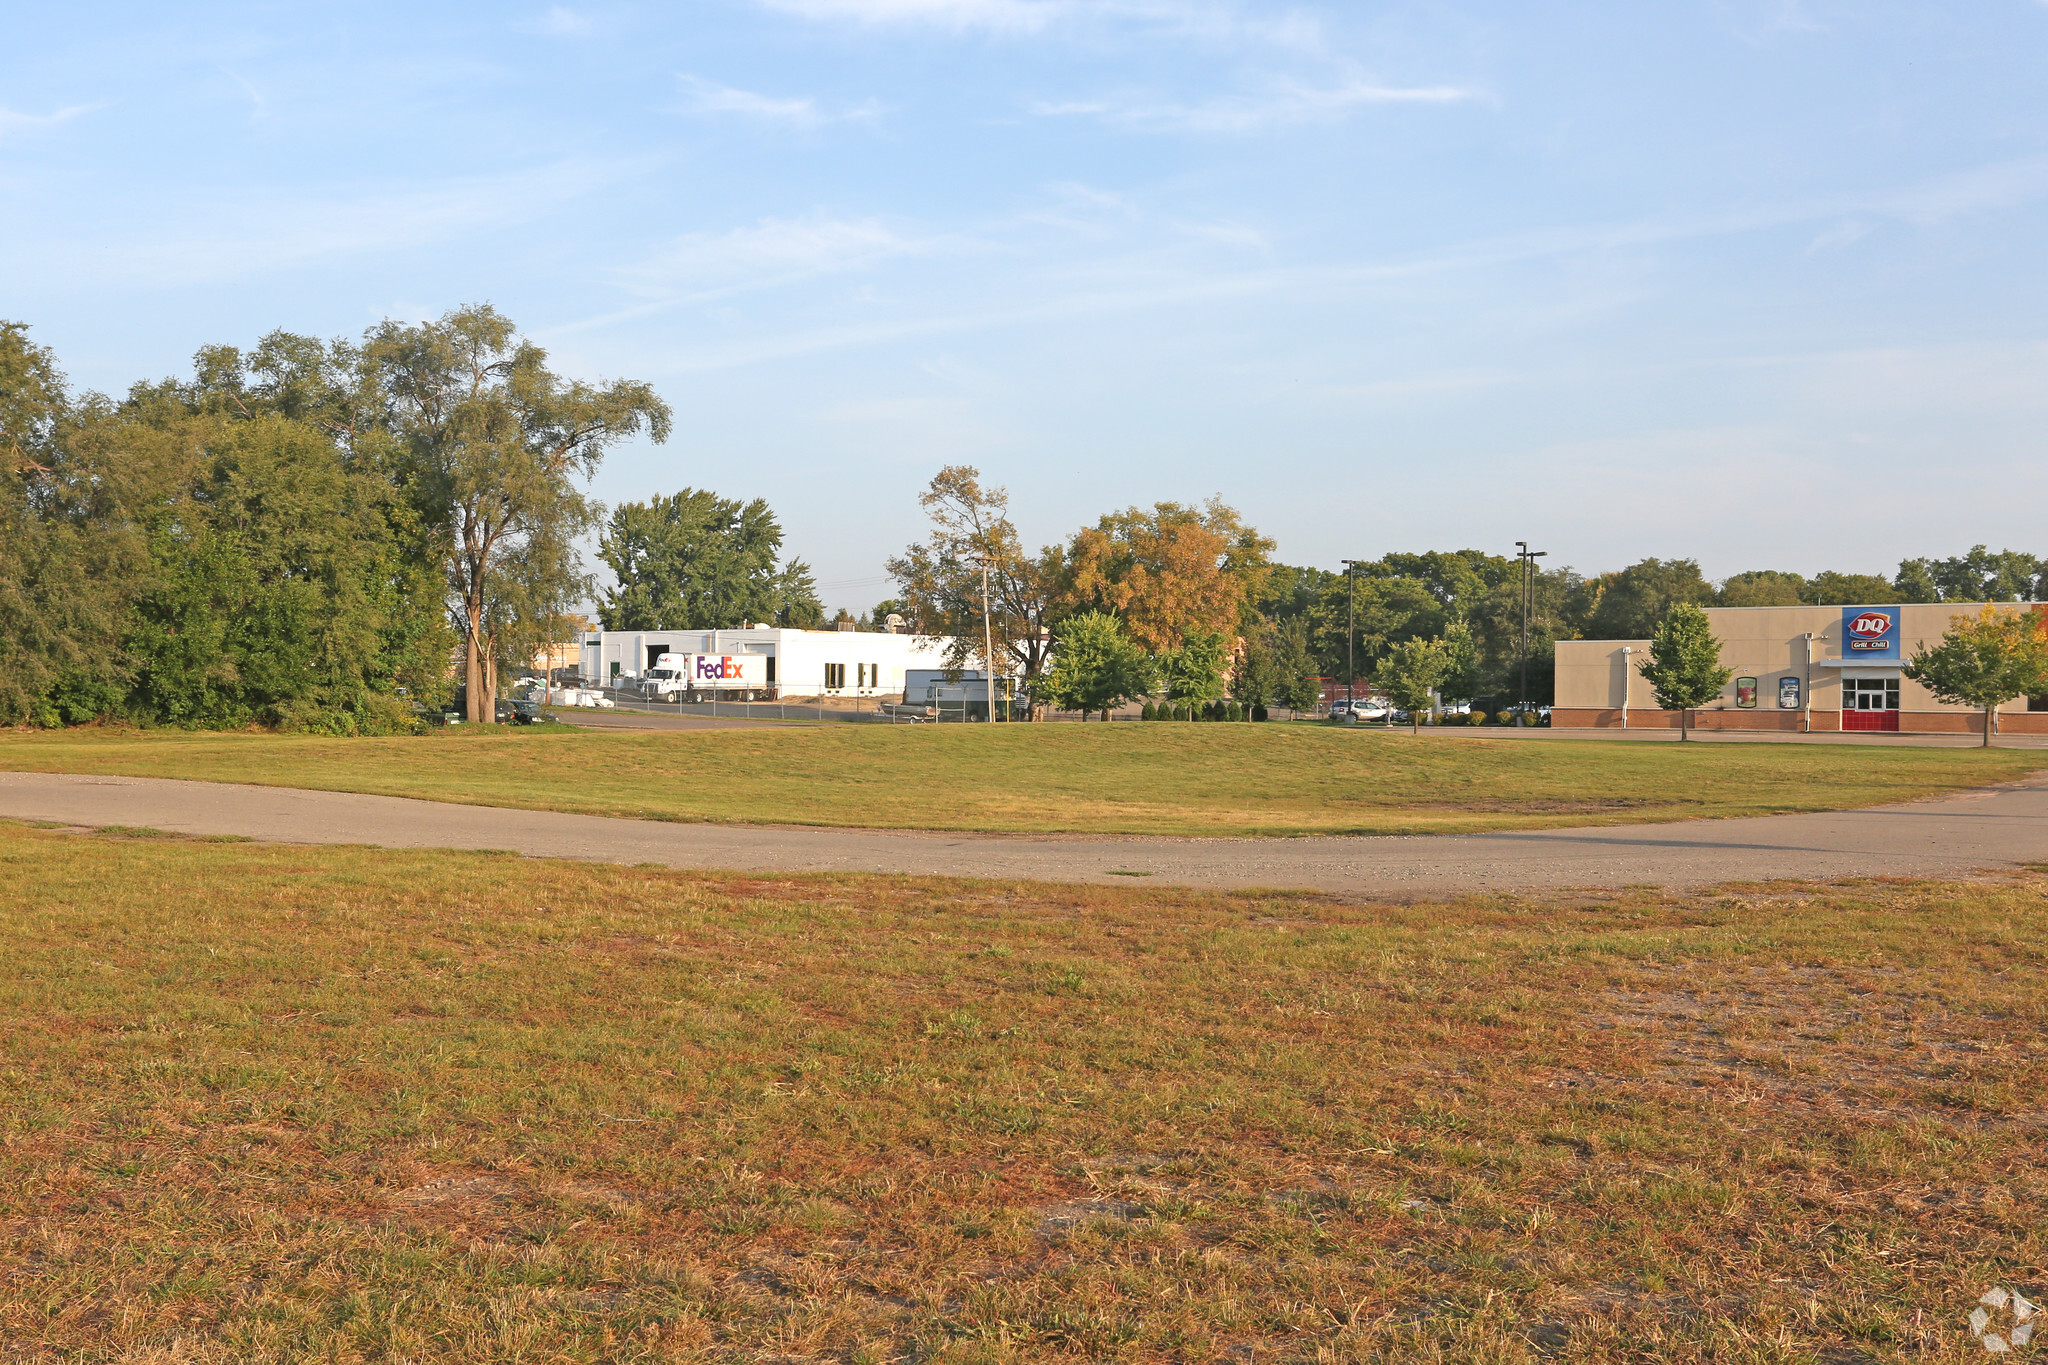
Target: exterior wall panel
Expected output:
[1768,644]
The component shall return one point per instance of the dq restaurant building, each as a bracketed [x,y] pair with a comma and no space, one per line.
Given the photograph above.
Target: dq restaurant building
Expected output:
[1795,668]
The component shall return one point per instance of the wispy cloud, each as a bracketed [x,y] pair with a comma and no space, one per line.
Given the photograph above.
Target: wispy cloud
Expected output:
[12,122]
[1221,21]
[1286,102]
[704,267]
[219,239]
[1002,15]
[558,21]
[801,111]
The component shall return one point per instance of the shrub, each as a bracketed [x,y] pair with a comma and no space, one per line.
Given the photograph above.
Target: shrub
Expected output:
[1478,718]
[1258,713]
[1148,712]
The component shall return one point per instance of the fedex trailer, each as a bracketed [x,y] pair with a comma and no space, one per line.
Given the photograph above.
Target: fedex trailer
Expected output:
[731,677]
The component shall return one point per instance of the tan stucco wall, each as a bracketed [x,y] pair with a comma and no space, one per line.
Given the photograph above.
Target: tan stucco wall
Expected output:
[1763,643]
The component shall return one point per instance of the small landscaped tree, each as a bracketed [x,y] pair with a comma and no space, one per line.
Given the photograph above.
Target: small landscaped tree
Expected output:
[1095,665]
[1194,672]
[1684,668]
[1985,661]
[1411,673]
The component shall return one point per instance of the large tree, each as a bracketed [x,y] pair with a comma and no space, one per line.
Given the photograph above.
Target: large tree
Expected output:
[941,578]
[493,445]
[71,556]
[696,561]
[1632,601]
[1978,576]
[1170,572]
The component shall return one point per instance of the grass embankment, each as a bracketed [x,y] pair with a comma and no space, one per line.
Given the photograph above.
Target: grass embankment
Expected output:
[268,1104]
[1102,779]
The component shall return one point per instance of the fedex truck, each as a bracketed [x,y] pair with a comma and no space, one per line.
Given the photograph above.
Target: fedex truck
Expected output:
[731,677]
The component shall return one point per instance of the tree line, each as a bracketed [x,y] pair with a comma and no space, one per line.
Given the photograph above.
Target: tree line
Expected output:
[302,534]
[1186,602]
[305,533]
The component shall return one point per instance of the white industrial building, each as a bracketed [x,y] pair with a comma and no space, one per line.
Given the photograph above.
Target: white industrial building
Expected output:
[798,663]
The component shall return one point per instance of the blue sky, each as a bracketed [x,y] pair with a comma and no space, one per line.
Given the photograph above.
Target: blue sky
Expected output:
[1756,281]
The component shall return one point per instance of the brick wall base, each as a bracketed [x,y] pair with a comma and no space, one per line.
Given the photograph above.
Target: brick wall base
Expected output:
[1910,722]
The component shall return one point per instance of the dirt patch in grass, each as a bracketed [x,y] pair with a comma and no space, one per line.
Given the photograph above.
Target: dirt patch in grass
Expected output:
[282,1104]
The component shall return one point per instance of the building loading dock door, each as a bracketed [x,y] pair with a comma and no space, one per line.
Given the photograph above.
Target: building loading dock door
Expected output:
[1870,703]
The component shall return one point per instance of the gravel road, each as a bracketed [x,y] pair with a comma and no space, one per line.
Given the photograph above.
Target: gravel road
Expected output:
[1976,829]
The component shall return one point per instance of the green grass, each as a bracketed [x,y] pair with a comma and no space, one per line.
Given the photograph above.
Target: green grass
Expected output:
[267,1104]
[1104,779]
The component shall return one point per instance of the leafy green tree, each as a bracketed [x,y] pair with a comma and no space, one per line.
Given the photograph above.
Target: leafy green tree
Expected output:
[940,579]
[1412,671]
[1095,666]
[1763,588]
[493,442]
[1832,589]
[274,583]
[1985,661]
[1684,668]
[1194,673]
[697,561]
[65,560]
[1275,667]
[1979,576]
[1634,600]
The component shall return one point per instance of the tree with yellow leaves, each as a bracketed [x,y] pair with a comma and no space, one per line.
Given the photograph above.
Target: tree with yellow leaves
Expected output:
[1986,660]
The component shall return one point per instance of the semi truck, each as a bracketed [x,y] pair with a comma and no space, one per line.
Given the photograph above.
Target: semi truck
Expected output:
[729,677]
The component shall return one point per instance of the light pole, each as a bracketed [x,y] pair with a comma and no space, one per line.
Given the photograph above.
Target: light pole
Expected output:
[1350,640]
[1528,558]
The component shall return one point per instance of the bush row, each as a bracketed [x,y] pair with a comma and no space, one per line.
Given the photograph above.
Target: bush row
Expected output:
[1214,710]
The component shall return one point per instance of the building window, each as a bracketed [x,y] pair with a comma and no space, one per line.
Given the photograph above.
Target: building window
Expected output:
[860,672]
[835,677]
[1870,694]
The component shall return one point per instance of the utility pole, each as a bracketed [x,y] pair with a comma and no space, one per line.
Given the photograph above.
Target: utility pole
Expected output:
[988,643]
[1351,637]
[1528,558]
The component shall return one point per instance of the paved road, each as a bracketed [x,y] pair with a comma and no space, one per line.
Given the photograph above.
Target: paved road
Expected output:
[1977,829]
[642,720]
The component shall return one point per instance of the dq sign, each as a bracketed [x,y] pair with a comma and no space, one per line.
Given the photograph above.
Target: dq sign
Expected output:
[1870,633]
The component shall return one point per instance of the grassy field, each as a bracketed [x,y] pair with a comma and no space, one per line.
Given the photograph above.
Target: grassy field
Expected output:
[1124,779]
[264,1104]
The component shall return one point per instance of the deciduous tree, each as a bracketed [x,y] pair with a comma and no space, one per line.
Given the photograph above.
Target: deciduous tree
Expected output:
[494,443]
[1194,673]
[1684,668]
[1169,572]
[696,561]
[1985,661]
[940,579]
[1411,672]
[1095,666]
[1634,600]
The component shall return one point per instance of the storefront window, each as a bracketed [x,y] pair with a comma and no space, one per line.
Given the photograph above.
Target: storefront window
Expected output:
[1870,694]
